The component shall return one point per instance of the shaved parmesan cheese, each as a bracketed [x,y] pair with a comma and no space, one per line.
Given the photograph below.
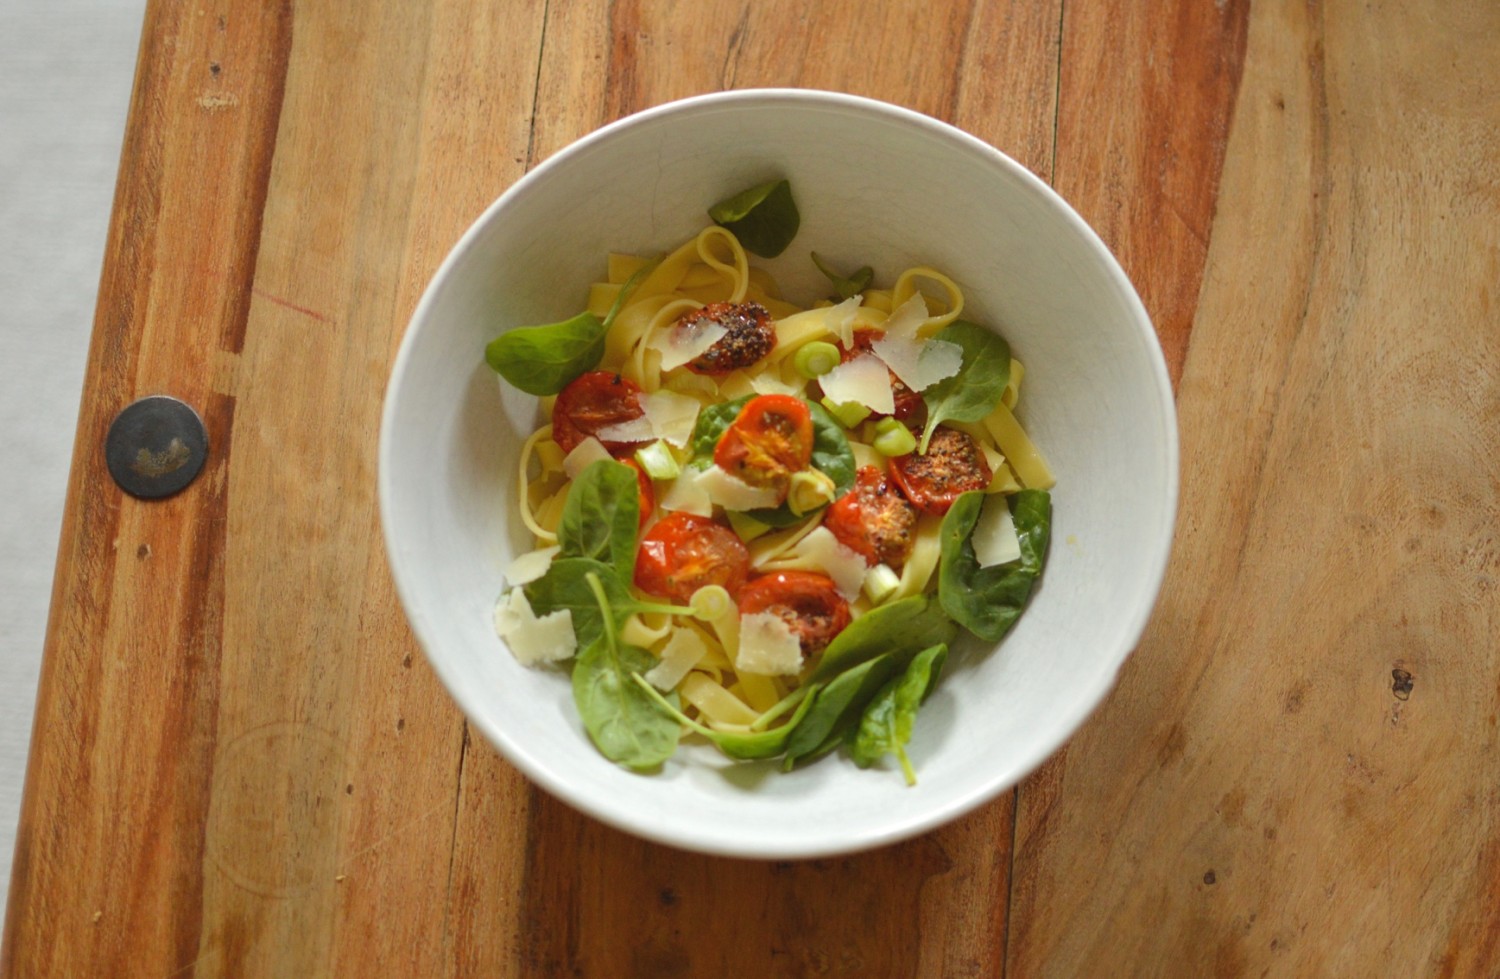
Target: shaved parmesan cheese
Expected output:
[677,347]
[812,324]
[907,318]
[681,653]
[534,640]
[863,380]
[672,415]
[736,494]
[768,646]
[585,454]
[667,415]
[685,494]
[919,363]
[994,538]
[841,320]
[846,567]
[767,382]
[530,566]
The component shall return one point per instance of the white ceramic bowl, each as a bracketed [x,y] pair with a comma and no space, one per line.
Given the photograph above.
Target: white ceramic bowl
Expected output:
[875,184]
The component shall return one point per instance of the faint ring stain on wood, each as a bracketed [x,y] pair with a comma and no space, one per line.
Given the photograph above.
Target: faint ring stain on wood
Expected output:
[273,815]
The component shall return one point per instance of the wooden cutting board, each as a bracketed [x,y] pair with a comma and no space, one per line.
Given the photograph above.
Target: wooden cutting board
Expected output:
[243,766]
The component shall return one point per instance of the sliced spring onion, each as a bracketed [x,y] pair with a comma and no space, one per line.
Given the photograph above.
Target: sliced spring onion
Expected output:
[658,461]
[848,413]
[892,438]
[816,359]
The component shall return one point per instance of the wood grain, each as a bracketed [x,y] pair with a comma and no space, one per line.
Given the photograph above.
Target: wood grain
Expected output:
[1260,796]
[244,767]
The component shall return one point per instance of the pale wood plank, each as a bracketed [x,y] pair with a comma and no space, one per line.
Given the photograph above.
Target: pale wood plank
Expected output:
[1259,797]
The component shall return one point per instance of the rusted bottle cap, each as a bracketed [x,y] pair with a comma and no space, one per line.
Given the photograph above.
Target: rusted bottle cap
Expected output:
[156,447]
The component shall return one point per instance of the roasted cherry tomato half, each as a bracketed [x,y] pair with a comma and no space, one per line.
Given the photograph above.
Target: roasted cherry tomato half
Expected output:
[684,552]
[648,491]
[873,519]
[952,465]
[750,336]
[807,601]
[771,438]
[909,403]
[591,402]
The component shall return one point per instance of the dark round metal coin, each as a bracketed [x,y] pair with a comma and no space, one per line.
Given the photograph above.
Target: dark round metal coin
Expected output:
[156,447]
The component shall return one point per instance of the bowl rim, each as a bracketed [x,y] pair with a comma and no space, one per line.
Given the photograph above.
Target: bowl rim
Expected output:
[1091,695]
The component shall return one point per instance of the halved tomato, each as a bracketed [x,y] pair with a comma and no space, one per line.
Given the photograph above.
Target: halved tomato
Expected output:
[771,438]
[873,519]
[648,491]
[909,403]
[684,552]
[807,601]
[592,402]
[952,465]
[750,336]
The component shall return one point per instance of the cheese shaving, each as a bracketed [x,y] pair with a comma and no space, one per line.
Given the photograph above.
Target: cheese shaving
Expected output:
[736,494]
[768,646]
[677,347]
[994,538]
[530,566]
[534,640]
[862,380]
[584,454]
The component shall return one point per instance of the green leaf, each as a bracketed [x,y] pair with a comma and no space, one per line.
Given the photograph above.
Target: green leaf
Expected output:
[987,601]
[886,724]
[972,393]
[835,707]
[830,454]
[624,723]
[744,746]
[565,586]
[904,627]
[846,287]
[542,360]
[763,218]
[602,516]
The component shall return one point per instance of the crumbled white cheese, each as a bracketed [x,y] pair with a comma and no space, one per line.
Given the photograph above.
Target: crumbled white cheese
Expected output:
[530,566]
[681,653]
[846,567]
[584,454]
[534,640]
[994,538]
[733,493]
[677,347]
[863,380]
[768,646]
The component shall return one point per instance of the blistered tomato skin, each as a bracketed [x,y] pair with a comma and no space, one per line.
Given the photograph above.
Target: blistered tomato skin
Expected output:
[751,336]
[953,465]
[771,438]
[592,402]
[685,552]
[874,519]
[806,601]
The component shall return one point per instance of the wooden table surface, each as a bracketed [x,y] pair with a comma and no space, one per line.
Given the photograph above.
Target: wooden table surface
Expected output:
[243,766]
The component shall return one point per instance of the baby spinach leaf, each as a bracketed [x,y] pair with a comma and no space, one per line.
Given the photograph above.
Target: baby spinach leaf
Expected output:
[886,724]
[835,707]
[973,392]
[712,423]
[542,360]
[565,585]
[744,746]
[845,287]
[764,218]
[987,601]
[903,628]
[623,722]
[602,516]
[830,454]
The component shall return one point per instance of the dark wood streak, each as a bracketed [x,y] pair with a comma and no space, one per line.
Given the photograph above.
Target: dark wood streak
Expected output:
[1147,103]
[259,148]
